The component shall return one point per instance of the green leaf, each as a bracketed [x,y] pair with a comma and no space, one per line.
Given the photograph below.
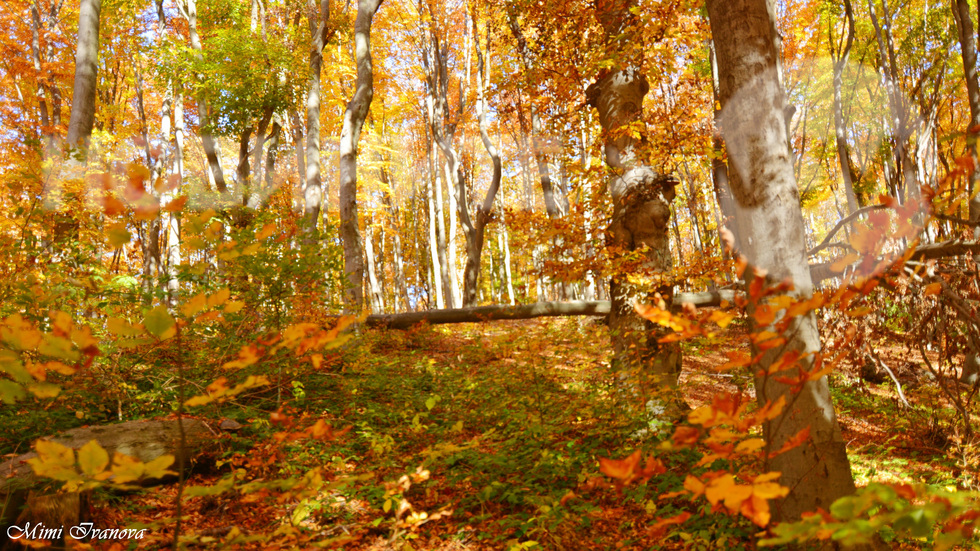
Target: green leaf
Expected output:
[159,323]
[10,392]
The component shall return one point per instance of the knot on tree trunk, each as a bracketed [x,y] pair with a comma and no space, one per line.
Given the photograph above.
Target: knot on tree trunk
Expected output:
[642,200]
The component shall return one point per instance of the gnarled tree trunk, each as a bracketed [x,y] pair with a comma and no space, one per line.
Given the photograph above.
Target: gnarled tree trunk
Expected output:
[641,215]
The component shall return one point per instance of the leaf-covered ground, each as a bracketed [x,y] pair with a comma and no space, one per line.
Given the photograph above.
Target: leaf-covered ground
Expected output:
[488,436]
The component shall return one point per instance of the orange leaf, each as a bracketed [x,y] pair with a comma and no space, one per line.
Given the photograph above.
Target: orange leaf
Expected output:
[620,469]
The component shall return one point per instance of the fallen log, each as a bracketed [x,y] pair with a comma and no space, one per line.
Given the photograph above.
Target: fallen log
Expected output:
[598,308]
[23,497]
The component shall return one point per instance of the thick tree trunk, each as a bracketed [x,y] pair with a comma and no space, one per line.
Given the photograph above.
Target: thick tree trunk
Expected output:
[641,217]
[86,75]
[354,116]
[771,234]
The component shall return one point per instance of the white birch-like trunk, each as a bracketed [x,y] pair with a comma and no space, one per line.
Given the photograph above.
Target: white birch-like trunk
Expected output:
[350,134]
[771,234]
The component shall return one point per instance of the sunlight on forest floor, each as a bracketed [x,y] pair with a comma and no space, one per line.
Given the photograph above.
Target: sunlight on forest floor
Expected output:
[506,423]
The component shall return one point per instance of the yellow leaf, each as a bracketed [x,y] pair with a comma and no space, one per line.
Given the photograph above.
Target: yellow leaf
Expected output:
[749,446]
[843,262]
[197,303]
[933,289]
[121,327]
[92,458]
[44,390]
[125,468]
[159,467]
[218,298]
[234,306]
[118,234]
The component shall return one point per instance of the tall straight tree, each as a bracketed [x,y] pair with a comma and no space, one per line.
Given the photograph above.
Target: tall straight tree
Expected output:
[86,74]
[771,234]
[968,48]
[188,8]
[641,206]
[312,184]
[350,134]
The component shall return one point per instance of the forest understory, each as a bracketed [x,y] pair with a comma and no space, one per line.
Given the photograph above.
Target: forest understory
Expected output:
[492,435]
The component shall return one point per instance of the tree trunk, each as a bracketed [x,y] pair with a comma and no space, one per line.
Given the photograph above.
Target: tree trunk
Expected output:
[354,116]
[771,234]
[189,11]
[968,48]
[86,75]
[436,261]
[374,287]
[312,184]
[394,220]
[641,216]
[840,130]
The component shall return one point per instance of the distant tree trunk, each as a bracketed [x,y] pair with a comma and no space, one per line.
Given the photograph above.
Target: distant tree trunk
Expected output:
[475,229]
[641,216]
[299,192]
[374,287]
[270,158]
[48,95]
[454,200]
[968,47]
[719,168]
[86,75]
[350,134]
[188,9]
[394,219]
[312,184]
[436,260]
[437,88]
[902,167]
[840,130]
[771,234]
[537,127]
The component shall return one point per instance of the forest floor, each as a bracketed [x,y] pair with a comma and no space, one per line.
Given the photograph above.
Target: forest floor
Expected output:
[488,436]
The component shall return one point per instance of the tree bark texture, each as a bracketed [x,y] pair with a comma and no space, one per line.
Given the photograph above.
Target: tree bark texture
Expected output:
[641,217]
[599,308]
[86,75]
[968,48]
[312,183]
[350,134]
[771,234]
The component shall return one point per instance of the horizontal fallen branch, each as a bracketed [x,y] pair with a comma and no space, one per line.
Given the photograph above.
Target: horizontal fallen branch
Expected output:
[598,308]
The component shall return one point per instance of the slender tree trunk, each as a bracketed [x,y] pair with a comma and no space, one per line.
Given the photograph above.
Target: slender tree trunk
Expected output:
[395,223]
[771,234]
[354,116]
[474,229]
[840,129]
[189,11]
[312,184]
[641,216]
[968,48]
[377,297]
[436,260]
[454,200]
[86,75]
